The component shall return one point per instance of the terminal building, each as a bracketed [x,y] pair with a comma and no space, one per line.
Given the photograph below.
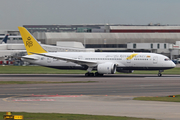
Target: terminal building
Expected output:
[157,38]
[14,36]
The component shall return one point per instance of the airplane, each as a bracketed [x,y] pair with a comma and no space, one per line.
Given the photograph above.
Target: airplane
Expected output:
[4,39]
[102,62]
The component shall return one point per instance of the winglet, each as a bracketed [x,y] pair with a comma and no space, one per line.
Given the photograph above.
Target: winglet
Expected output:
[5,39]
[30,43]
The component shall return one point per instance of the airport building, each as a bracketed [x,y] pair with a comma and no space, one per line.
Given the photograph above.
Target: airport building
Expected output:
[163,39]
[114,38]
[14,36]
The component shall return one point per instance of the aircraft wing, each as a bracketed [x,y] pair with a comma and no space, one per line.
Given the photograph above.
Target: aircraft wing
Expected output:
[68,59]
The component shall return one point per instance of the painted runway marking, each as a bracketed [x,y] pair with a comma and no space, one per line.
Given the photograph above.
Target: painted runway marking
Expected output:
[56,95]
[33,100]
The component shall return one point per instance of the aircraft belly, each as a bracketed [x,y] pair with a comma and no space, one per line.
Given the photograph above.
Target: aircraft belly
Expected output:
[143,65]
[144,68]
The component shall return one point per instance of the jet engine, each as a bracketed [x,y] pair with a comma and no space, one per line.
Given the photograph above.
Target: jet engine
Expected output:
[106,68]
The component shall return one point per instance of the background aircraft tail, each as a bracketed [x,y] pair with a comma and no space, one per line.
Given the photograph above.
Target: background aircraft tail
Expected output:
[30,43]
[5,39]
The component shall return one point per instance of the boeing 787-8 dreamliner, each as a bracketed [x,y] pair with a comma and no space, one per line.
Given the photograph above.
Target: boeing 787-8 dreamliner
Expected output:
[102,62]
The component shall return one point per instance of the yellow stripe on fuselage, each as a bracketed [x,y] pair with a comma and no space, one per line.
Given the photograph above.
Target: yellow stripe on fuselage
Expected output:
[131,56]
[30,43]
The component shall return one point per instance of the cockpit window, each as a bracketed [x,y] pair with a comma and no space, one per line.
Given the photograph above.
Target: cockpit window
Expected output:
[166,59]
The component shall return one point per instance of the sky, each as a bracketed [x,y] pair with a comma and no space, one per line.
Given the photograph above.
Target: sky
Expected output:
[14,13]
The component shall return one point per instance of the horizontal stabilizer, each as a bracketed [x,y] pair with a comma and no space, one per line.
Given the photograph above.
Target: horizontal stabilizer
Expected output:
[29,57]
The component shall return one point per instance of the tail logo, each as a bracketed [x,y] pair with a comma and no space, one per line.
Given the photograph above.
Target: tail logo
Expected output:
[29,43]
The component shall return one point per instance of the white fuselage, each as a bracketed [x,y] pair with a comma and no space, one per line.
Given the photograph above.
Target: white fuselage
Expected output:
[124,61]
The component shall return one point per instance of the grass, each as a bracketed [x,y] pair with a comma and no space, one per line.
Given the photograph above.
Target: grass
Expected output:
[57,116]
[40,82]
[174,71]
[165,99]
[36,70]
[45,70]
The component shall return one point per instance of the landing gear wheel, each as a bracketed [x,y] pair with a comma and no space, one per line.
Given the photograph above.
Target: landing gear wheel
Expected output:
[89,74]
[101,75]
[97,74]
[159,74]
[86,74]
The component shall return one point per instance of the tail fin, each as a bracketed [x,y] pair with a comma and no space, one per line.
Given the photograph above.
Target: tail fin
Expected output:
[30,43]
[5,39]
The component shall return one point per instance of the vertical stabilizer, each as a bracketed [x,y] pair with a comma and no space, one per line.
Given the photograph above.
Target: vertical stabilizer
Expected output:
[30,43]
[5,39]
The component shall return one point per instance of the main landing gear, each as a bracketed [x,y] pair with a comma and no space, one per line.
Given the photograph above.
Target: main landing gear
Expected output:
[160,73]
[88,74]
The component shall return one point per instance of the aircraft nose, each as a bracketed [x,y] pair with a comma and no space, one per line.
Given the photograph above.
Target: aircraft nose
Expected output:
[173,65]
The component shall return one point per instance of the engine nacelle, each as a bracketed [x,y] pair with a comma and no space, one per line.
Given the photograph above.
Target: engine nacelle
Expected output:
[106,68]
[125,71]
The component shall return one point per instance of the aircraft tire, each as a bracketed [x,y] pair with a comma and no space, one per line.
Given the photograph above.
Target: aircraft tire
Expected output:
[101,75]
[97,74]
[87,74]
[91,74]
[159,74]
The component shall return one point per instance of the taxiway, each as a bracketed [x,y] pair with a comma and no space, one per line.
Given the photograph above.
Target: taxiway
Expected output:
[108,95]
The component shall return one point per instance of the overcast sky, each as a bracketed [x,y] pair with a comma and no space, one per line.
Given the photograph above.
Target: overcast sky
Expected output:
[14,13]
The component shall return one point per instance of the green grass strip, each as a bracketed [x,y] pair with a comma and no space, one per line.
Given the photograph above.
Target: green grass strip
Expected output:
[174,71]
[176,98]
[56,116]
[36,70]
[45,70]
[41,82]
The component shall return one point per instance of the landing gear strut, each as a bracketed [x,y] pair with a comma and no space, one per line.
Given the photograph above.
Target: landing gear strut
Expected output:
[160,73]
[90,74]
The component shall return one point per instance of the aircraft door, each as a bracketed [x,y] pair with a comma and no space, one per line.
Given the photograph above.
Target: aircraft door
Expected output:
[128,62]
[155,60]
[80,57]
[49,60]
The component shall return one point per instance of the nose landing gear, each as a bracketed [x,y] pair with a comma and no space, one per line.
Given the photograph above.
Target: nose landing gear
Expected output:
[160,73]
